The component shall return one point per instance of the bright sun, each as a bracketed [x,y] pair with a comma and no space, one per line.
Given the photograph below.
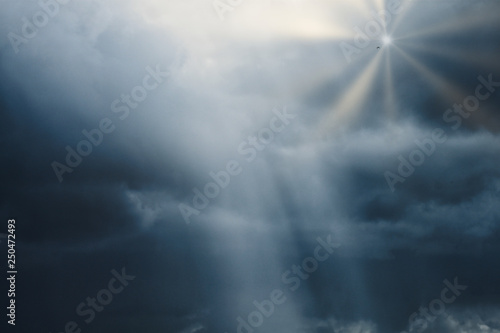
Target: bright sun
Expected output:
[387,40]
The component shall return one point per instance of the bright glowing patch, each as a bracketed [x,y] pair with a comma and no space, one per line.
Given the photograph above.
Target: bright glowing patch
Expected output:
[387,40]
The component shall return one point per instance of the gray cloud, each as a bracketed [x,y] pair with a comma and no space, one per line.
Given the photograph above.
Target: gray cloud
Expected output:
[323,174]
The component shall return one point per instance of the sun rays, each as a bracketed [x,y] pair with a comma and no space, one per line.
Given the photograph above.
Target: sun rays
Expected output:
[410,51]
[352,100]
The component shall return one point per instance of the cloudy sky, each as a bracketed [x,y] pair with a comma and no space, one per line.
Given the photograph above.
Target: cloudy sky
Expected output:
[178,166]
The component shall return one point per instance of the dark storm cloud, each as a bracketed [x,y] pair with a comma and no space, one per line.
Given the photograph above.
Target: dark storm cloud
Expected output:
[119,207]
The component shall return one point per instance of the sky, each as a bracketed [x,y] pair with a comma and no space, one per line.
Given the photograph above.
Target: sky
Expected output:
[251,166]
